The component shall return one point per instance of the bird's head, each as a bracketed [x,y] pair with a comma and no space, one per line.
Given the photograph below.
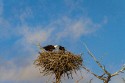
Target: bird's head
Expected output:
[56,46]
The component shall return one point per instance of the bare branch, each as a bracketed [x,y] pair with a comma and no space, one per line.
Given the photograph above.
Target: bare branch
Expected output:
[90,80]
[120,71]
[98,63]
[99,77]
[79,79]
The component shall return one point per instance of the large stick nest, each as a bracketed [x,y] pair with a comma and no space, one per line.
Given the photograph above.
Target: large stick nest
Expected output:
[58,63]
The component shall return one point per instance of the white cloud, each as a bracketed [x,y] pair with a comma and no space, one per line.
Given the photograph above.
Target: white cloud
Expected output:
[11,72]
[56,30]
[66,27]
[33,35]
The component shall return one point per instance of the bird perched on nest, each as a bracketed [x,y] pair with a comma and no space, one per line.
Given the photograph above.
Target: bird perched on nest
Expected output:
[46,48]
[49,48]
[52,48]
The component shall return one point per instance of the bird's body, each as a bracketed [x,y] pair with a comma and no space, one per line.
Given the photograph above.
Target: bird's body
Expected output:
[49,48]
[52,48]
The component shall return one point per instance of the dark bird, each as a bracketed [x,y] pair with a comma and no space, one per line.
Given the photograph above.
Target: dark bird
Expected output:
[52,48]
[49,48]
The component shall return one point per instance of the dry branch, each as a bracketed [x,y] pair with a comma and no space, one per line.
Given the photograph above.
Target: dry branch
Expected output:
[106,77]
[98,63]
[77,81]
[90,80]
[120,71]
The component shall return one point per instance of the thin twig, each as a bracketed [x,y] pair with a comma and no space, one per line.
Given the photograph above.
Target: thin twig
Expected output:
[120,71]
[98,63]
[93,73]
[90,80]
[79,79]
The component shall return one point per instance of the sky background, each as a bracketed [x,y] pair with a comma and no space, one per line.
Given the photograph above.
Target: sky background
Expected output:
[70,23]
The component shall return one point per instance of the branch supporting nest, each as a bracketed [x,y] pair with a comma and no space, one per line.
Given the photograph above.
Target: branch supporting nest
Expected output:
[58,63]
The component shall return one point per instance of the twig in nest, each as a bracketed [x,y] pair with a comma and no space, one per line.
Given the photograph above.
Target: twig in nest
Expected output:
[58,63]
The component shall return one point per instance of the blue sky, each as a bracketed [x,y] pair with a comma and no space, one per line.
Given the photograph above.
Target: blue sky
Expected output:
[25,23]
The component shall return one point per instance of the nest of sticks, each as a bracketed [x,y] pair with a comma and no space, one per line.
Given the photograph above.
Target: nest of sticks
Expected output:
[58,63]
